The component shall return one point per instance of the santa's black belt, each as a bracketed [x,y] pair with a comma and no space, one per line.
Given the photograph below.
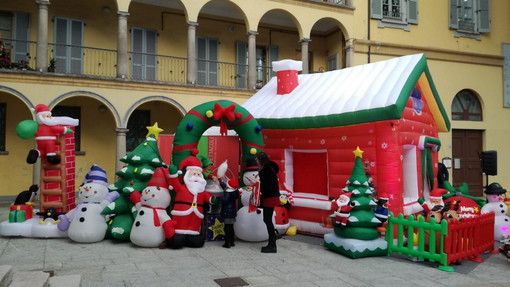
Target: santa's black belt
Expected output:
[189,203]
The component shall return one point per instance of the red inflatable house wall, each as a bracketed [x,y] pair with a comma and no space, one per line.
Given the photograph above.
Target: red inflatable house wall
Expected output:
[317,162]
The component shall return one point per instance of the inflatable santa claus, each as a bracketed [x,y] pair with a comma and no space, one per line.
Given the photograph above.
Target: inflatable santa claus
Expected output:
[435,198]
[190,197]
[48,130]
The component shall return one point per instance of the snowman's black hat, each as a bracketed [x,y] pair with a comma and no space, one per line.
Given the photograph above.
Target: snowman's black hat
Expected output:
[251,164]
[495,188]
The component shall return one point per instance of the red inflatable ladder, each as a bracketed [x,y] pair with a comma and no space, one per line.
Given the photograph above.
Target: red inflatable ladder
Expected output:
[58,180]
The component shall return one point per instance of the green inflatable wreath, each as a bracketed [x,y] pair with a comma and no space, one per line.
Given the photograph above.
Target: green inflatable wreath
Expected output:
[225,114]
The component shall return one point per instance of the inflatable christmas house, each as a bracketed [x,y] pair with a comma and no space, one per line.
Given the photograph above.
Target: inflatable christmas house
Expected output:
[312,122]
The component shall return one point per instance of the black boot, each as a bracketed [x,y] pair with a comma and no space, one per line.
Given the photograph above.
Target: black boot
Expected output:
[53,159]
[268,249]
[32,156]
[227,236]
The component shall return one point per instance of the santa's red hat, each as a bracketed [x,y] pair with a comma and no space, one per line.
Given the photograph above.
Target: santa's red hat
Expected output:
[191,162]
[437,193]
[41,109]
[158,178]
[232,183]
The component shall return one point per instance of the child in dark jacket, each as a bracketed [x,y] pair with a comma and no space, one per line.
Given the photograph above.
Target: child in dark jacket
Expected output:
[229,209]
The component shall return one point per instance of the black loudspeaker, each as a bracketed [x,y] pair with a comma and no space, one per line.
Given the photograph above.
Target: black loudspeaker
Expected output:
[490,162]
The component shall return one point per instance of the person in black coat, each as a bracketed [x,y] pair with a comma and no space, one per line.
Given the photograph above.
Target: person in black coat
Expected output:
[229,209]
[269,196]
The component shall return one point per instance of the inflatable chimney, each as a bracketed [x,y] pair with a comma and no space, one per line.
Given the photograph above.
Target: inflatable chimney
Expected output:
[287,75]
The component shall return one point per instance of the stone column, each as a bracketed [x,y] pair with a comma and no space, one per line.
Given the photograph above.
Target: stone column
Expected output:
[192,53]
[304,54]
[41,63]
[349,53]
[121,147]
[252,60]
[122,45]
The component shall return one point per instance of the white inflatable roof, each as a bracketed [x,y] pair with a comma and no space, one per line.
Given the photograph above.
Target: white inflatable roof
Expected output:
[381,88]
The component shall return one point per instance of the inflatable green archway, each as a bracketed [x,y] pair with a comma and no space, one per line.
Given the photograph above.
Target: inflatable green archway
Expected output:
[225,114]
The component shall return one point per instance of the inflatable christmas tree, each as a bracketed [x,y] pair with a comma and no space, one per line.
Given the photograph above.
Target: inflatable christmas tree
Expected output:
[355,233]
[140,166]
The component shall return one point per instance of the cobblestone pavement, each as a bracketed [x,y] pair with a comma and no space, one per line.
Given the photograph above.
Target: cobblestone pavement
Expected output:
[300,261]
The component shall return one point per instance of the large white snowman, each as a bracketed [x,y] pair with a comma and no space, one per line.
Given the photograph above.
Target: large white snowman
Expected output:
[85,223]
[495,195]
[152,223]
[249,225]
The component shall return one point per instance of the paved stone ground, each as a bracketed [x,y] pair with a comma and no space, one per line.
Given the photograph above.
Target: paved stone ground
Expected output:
[300,261]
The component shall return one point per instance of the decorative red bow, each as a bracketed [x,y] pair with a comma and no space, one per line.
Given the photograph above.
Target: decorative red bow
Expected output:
[220,113]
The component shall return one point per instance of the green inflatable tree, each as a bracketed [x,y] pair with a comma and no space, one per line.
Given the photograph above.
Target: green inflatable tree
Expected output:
[362,223]
[141,164]
[356,236]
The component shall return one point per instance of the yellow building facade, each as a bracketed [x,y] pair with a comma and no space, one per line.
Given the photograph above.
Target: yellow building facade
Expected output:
[121,65]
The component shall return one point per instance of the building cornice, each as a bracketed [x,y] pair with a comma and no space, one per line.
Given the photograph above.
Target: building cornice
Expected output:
[438,54]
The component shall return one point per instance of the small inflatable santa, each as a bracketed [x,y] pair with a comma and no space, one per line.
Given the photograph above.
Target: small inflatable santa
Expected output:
[48,130]
[188,209]
[435,198]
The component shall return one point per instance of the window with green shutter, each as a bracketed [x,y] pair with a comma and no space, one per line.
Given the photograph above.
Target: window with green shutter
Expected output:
[469,18]
[395,13]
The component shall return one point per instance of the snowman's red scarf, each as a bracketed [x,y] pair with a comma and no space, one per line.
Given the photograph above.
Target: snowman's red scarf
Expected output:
[157,222]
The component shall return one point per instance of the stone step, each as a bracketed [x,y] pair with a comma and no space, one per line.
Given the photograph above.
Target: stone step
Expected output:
[30,278]
[8,278]
[5,275]
[65,281]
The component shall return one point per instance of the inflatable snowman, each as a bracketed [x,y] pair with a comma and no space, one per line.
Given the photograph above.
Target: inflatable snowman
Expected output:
[249,225]
[495,203]
[85,223]
[152,223]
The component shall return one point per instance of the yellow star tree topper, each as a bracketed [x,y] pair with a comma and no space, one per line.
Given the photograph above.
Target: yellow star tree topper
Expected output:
[154,130]
[358,152]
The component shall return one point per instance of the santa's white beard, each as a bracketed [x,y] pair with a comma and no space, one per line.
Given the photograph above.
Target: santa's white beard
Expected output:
[195,184]
[53,121]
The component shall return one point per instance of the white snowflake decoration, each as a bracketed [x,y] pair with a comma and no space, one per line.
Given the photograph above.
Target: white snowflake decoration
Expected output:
[384,145]
[344,138]
[323,141]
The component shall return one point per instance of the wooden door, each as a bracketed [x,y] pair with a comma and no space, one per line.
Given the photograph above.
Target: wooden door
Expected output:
[466,166]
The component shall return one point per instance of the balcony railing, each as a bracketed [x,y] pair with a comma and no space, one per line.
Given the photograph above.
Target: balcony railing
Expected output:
[335,2]
[96,62]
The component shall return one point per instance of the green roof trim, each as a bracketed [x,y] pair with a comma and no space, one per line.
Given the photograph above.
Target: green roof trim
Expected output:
[437,98]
